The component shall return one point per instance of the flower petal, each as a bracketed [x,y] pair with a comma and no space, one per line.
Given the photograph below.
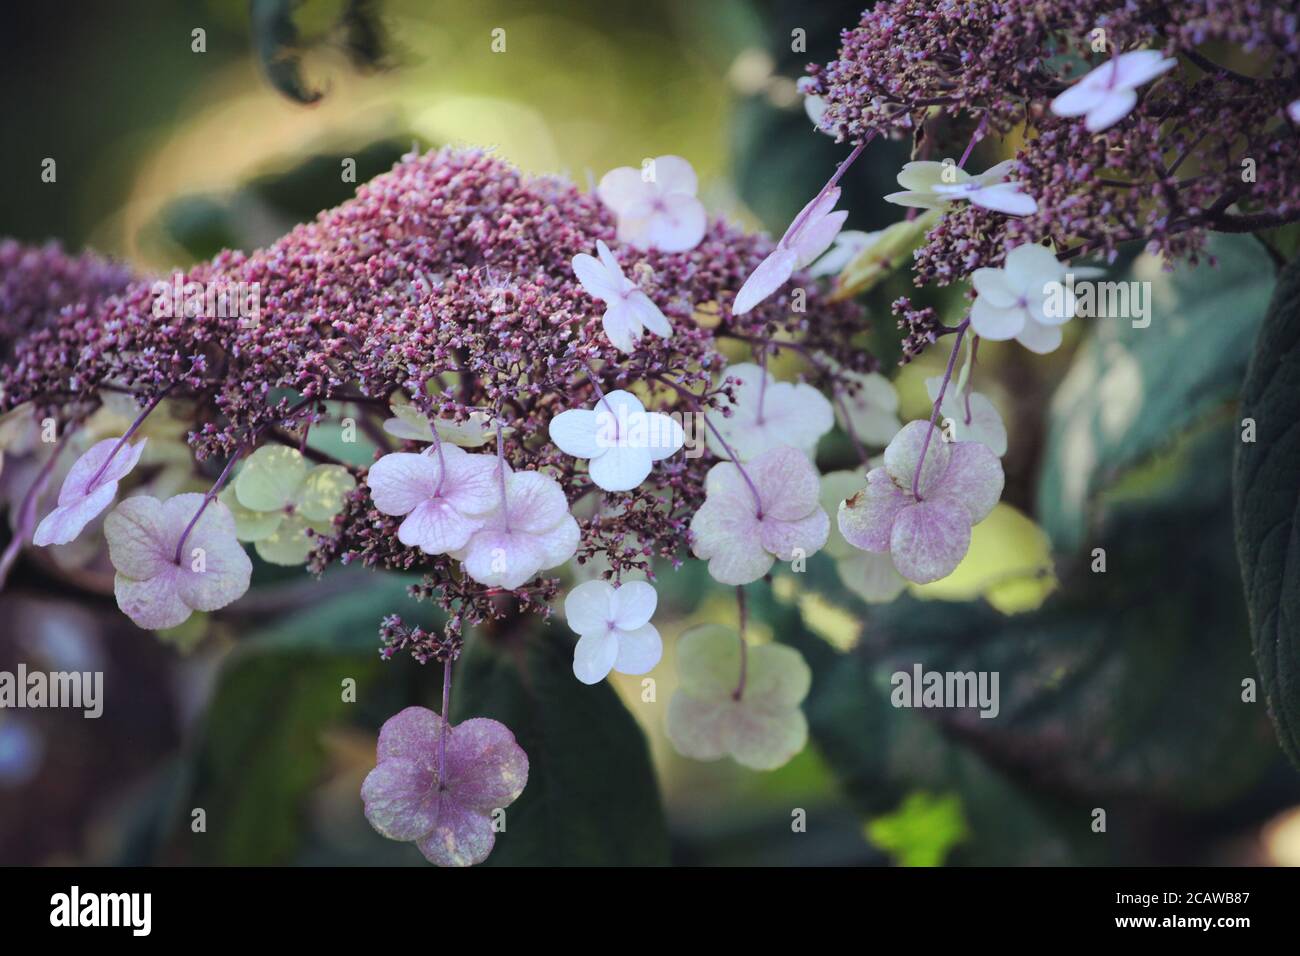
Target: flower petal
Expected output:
[589,607]
[772,273]
[904,453]
[639,650]
[929,539]
[596,279]
[622,188]
[866,519]
[574,432]
[974,478]
[633,604]
[1117,105]
[462,837]
[486,768]
[401,481]
[65,522]
[593,656]
[995,323]
[401,799]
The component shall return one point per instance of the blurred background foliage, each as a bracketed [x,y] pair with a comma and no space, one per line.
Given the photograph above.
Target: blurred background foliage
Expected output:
[1120,690]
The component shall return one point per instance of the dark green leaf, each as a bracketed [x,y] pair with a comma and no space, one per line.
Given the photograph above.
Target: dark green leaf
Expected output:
[258,754]
[591,797]
[1266,499]
[1132,392]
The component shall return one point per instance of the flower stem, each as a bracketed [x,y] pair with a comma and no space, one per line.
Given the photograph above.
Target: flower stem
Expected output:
[135,425]
[743,612]
[938,403]
[501,472]
[207,500]
[445,730]
[695,406]
[975,138]
[840,170]
[26,517]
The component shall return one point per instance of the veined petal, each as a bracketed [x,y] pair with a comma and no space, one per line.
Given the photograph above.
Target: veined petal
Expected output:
[929,539]
[633,605]
[589,607]
[772,273]
[594,655]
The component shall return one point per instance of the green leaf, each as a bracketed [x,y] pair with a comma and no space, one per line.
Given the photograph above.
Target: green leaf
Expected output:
[1124,688]
[1266,502]
[1132,391]
[591,798]
[922,831]
[258,754]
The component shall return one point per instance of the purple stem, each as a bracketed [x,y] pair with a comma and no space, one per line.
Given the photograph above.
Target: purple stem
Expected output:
[600,394]
[695,406]
[938,403]
[446,725]
[743,612]
[135,425]
[970,385]
[501,471]
[840,170]
[848,427]
[975,138]
[207,500]
[26,518]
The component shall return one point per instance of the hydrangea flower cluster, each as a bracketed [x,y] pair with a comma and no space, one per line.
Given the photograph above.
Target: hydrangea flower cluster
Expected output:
[1129,130]
[531,402]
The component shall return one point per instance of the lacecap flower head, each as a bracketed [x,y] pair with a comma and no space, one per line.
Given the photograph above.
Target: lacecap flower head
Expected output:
[723,710]
[614,628]
[619,437]
[767,414]
[90,487]
[927,536]
[153,588]
[448,820]
[656,205]
[751,519]
[283,505]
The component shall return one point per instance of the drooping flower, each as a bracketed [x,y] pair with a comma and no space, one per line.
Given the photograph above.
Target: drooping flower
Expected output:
[152,588]
[629,311]
[621,439]
[973,417]
[614,628]
[742,530]
[870,576]
[871,412]
[531,531]
[444,495]
[767,414]
[712,714]
[1108,93]
[90,487]
[810,234]
[930,185]
[283,505]
[656,206]
[1023,300]
[449,820]
[926,536]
